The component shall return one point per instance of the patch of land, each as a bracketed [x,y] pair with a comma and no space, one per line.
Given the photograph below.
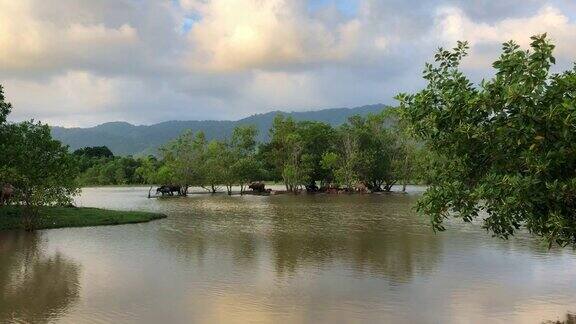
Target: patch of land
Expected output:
[60,217]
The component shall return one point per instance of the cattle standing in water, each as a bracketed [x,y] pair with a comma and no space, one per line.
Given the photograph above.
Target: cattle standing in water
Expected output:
[6,193]
[361,188]
[169,190]
[330,189]
[312,187]
[258,187]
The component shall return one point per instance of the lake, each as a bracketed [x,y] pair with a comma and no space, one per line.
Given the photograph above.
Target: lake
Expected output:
[279,259]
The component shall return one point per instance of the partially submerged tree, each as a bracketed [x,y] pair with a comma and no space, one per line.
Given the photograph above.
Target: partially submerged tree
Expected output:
[243,167]
[215,165]
[184,160]
[506,146]
[343,164]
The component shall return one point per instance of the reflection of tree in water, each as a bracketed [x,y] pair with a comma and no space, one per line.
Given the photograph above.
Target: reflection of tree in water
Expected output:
[397,255]
[188,243]
[34,288]
[228,228]
[364,234]
[373,234]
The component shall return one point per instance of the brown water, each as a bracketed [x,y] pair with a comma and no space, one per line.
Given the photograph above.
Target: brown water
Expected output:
[279,259]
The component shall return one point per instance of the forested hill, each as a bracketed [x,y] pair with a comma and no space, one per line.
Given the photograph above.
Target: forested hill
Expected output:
[127,139]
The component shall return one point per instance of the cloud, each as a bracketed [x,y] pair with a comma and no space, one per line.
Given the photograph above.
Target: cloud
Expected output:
[244,34]
[74,93]
[28,42]
[453,24]
[82,62]
[291,90]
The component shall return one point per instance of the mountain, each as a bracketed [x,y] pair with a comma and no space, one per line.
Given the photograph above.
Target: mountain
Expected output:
[127,139]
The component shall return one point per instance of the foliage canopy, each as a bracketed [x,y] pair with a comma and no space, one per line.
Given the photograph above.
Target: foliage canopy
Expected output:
[506,147]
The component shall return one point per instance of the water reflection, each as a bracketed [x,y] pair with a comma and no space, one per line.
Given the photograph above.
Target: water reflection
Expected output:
[379,240]
[317,232]
[34,288]
[306,259]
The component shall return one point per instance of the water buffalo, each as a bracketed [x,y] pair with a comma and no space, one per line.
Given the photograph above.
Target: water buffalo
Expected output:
[330,189]
[257,187]
[169,190]
[6,193]
[361,188]
[312,187]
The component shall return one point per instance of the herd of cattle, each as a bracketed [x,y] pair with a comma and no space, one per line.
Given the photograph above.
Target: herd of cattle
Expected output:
[171,190]
[260,188]
[7,190]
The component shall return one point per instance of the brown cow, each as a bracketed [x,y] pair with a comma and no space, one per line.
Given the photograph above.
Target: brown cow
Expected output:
[259,187]
[6,193]
[361,188]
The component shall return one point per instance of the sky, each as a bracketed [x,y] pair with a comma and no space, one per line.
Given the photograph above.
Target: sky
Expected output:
[85,62]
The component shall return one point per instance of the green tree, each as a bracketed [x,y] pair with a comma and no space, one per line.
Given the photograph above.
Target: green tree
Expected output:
[5,107]
[379,150]
[317,139]
[244,140]
[343,164]
[295,151]
[404,152]
[506,146]
[279,151]
[94,152]
[246,170]
[216,165]
[40,167]
[147,170]
[296,167]
[241,165]
[184,160]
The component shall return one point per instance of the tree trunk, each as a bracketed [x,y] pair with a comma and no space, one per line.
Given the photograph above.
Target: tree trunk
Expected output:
[28,213]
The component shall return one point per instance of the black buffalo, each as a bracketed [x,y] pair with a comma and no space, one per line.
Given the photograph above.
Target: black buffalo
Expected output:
[312,187]
[169,190]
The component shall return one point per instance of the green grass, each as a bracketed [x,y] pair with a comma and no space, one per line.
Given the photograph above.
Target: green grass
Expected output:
[59,217]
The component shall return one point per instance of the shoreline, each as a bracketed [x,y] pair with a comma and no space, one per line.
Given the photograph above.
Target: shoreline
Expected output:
[69,217]
[279,193]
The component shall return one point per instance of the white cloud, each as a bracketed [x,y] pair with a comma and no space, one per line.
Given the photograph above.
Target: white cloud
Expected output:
[243,34]
[453,24]
[74,93]
[27,41]
[82,62]
[290,91]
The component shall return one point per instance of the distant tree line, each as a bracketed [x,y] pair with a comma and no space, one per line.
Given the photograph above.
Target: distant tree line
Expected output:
[99,166]
[366,153]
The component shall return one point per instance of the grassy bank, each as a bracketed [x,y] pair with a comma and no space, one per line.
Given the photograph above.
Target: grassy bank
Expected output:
[59,217]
